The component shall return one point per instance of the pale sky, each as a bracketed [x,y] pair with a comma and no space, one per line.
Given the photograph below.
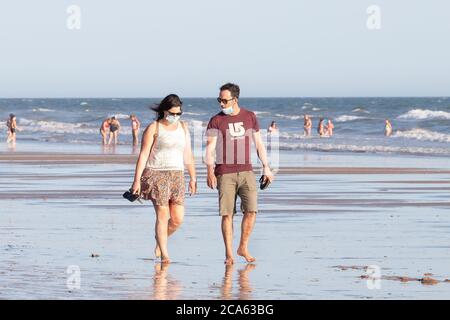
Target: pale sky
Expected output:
[285,48]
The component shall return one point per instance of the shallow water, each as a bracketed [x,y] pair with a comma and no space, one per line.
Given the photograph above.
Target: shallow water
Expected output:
[307,226]
[420,124]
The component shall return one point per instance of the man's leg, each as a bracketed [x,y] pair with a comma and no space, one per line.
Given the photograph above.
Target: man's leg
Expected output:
[248,222]
[249,203]
[227,232]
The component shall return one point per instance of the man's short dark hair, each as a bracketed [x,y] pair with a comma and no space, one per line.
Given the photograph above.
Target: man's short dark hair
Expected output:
[233,88]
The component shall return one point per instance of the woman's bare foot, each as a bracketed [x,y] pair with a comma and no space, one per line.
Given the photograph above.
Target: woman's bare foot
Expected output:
[165,260]
[157,252]
[229,261]
[246,255]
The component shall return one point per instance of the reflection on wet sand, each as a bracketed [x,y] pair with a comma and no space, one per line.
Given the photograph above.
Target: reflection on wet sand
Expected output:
[109,148]
[227,283]
[11,146]
[164,287]
[245,288]
[135,150]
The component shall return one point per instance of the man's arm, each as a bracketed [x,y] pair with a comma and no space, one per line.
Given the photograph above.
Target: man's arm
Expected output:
[262,155]
[211,179]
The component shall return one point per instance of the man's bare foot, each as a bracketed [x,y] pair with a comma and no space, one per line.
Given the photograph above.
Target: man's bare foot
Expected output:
[246,255]
[229,261]
[157,252]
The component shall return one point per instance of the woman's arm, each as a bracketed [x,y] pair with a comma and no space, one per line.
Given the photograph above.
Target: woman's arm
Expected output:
[147,141]
[189,161]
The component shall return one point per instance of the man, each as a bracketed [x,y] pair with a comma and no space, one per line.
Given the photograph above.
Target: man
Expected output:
[228,135]
[12,128]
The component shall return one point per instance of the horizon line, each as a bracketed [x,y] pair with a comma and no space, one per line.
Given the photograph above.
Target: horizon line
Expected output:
[249,97]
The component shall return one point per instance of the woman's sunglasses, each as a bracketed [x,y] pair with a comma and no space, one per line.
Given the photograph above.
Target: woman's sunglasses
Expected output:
[175,113]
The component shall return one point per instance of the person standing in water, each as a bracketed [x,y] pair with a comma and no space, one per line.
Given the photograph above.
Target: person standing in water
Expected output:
[307,125]
[114,127]
[321,128]
[135,126]
[387,128]
[12,128]
[159,175]
[230,134]
[104,130]
[273,128]
[329,128]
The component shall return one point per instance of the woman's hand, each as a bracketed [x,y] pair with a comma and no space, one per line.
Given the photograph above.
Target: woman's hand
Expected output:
[192,187]
[136,187]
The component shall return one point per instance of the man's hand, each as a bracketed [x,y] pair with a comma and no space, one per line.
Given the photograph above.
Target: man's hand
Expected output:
[268,173]
[211,181]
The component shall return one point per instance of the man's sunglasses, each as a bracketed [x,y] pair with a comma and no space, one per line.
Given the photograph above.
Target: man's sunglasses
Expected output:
[175,113]
[224,101]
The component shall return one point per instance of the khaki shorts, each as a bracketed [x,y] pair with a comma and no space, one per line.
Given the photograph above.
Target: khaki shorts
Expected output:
[231,185]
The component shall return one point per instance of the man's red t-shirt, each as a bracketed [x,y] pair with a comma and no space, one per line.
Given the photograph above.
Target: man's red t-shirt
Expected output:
[234,135]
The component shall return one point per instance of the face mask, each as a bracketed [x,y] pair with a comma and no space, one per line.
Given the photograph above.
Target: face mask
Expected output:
[172,119]
[228,110]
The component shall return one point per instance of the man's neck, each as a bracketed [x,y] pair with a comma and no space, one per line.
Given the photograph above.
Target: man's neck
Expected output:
[236,111]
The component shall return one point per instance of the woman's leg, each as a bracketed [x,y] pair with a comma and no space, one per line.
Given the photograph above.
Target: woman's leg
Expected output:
[176,213]
[135,137]
[176,218]
[161,234]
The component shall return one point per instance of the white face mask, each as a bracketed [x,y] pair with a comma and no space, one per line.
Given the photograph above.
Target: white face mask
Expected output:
[172,119]
[228,110]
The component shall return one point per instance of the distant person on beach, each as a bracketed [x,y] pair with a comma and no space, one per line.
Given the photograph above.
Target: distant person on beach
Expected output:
[12,128]
[273,128]
[159,176]
[307,125]
[321,128]
[114,127]
[104,129]
[388,128]
[135,126]
[234,128]
[329,128]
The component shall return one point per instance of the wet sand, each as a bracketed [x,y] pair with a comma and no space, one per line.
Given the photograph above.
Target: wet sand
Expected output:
[320,225]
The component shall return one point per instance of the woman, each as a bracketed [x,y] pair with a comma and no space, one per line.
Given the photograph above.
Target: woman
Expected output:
[135,126]
[388,128]
[329,128]
[12,128]
[273,128]
[307,125]
[114,127]
[159,175]
[104,128]
[321,128]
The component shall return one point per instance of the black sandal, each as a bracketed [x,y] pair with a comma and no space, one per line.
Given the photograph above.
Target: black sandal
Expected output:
[263,182]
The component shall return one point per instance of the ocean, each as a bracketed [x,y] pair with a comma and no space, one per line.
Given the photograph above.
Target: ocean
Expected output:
[421,125]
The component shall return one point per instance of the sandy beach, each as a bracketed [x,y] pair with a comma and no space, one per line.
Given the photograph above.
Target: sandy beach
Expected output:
[323,222]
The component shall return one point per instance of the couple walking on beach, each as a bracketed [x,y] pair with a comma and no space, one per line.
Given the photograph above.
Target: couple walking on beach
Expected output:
[166,150]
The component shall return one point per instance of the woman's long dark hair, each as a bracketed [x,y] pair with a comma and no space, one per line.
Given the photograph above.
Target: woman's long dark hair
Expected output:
[172,100]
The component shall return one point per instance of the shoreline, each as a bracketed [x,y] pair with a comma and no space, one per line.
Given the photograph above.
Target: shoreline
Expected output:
[322,211]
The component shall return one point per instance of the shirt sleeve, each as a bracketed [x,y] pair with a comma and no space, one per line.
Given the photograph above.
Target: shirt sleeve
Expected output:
[212,128]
